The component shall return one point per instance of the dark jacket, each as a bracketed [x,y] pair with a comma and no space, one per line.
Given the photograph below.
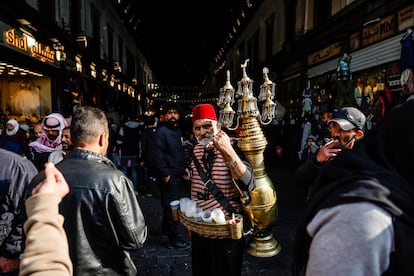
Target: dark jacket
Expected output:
[170,151]
[306,174]
[15,143]
[129,138]
[15,176]
[103,219]
[149,147]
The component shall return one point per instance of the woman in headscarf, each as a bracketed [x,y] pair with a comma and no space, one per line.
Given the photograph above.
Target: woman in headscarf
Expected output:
[13,137]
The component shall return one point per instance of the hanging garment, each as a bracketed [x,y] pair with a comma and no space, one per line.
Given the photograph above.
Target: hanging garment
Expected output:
[407,51]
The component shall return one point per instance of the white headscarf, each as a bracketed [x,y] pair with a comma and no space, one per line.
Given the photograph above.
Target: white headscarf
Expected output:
[43,143]
[15,125]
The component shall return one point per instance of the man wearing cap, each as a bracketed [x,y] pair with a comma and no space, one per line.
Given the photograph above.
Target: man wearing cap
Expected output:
[214,255]
[360,218]
[50,140]
[346,127]
[170,167]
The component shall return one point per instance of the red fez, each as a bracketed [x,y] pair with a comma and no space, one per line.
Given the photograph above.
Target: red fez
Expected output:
[204,111]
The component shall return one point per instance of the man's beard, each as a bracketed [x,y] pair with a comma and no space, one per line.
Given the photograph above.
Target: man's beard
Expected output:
[51,137]
[172,122]
[205,139]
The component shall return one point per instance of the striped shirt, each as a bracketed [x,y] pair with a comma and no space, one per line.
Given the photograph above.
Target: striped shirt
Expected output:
[221,177]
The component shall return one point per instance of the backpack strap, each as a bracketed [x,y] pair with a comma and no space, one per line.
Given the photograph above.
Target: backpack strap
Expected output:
[212,188]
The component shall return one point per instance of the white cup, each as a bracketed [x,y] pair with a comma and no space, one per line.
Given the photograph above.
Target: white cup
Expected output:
[191,208]
[206,216]
[218,216]
[198,214]
[183,203]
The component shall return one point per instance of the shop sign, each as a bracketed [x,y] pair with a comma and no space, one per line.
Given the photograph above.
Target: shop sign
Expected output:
[406,18]
[291,69]
[378,31]
[324,54]
[29,45]
[354,42]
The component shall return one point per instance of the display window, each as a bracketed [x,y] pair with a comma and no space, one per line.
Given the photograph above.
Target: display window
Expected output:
[290,99]
[25,95]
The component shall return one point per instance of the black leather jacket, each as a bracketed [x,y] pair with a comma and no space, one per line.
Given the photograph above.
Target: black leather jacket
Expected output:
[103,219]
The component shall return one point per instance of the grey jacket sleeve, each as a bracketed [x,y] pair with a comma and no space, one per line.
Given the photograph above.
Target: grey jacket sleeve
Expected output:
[350,239]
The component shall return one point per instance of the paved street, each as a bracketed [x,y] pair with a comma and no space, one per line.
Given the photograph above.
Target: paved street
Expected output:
[156,259]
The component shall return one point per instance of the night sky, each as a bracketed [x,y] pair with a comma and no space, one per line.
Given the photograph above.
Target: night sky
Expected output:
[181,38]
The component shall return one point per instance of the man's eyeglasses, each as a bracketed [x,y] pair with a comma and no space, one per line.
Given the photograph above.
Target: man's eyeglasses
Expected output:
[205,127]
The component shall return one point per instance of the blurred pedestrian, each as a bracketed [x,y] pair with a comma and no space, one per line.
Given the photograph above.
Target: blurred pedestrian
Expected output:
[58,155]
[128,143]
[14,138]
[171,165]
[309,150]
[37,130]
[50,139]
[103,220]
[149,160]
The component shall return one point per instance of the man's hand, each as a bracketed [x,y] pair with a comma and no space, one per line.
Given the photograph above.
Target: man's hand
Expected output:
[53,183]
[167,179]
[186,175]
[222,142]
[327,151]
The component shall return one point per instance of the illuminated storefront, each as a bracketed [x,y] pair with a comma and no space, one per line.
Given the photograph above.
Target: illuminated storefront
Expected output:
[27,81]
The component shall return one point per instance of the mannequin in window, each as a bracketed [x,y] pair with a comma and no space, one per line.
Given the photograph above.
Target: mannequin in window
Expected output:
[343,67]
[359,91]
[307,100]
[27,99]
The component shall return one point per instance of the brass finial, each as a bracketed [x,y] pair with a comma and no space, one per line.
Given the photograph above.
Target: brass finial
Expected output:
[266,76]
[243,66]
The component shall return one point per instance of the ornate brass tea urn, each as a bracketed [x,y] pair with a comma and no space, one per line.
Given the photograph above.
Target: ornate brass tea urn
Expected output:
[260,203]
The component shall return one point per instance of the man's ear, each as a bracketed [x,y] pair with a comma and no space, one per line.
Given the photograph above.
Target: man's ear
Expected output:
[359,134]
[102,138]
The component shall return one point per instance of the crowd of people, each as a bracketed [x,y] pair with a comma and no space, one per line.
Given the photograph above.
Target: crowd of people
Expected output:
[68,197]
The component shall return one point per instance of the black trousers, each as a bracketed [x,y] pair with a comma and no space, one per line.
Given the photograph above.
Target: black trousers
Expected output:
[173,190]
[216,256]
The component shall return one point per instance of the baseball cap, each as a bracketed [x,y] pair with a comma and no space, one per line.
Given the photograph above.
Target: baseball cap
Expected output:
[349,118]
